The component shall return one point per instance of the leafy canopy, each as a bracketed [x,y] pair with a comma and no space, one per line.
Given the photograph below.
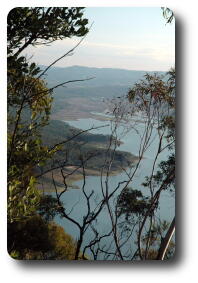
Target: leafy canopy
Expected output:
[29,99]
[43,25]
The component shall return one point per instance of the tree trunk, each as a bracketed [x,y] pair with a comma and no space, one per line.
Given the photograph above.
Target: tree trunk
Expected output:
[166,241]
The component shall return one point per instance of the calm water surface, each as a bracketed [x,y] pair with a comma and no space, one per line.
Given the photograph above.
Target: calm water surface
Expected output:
[75,202]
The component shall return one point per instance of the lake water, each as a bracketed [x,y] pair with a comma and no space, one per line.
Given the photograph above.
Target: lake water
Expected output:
[75,202]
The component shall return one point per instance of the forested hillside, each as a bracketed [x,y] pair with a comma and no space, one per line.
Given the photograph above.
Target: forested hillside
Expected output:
[75,145]
[120,210]
[101,76]
[81,99]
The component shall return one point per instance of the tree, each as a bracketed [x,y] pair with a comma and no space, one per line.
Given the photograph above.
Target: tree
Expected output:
[29,104]
[36,239]
[36,26]
[136,230]
[29,99]
[154,99]
[131,214]
[48,207]
[168,14]
[134,213]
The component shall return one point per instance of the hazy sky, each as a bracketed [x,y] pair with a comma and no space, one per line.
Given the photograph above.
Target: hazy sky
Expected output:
[127,38]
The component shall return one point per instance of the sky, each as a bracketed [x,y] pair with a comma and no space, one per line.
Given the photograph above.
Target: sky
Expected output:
[120,37]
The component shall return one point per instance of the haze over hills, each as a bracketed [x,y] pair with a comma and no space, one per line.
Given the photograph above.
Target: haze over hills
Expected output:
[102,76]
[78,99]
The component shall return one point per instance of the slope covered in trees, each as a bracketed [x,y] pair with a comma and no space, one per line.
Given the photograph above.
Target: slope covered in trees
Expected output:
[82,99]
[38,145]
[75,145]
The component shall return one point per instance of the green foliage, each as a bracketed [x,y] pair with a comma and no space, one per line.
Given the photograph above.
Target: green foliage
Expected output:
[155,97]
[29,100]
[48,207]
[29,104]
[63,245]
[152,94]
[22,203]
[33,238]
[39,25]
[165,167]
[132,202]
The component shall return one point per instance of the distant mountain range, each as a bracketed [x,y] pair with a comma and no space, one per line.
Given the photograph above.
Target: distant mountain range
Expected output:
[102,76]
[80,99]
